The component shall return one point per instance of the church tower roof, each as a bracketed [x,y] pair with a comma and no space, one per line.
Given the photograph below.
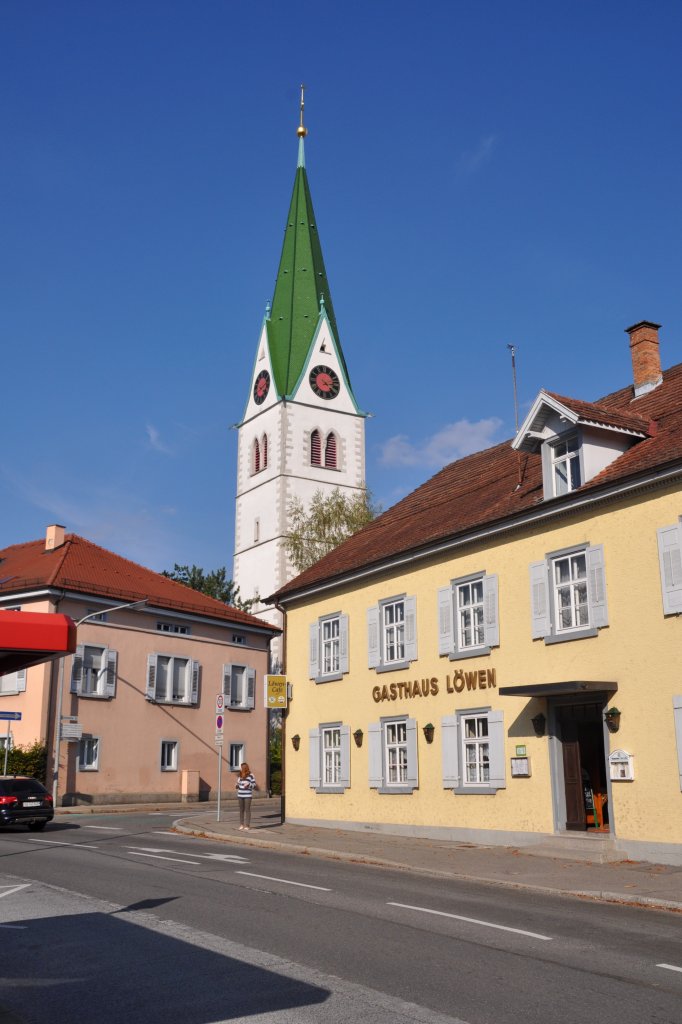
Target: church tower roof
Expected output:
[302,292]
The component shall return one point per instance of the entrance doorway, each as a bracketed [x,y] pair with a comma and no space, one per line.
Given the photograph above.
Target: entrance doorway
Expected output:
[580,730]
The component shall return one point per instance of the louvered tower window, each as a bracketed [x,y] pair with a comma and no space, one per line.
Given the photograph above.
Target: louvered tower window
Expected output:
[264,451]
[315,449]
[256,456]
[330,451]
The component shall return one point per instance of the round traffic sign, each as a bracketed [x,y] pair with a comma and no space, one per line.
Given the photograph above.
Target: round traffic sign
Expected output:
[219,722]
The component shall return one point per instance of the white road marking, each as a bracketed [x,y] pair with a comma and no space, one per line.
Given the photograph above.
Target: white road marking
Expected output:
[166,834]
[223,857]
[285,881]
[156,856]
[16,927]
[105,828]
[54,842]
[150,849]
[473,920]
[670,967]
[13,888]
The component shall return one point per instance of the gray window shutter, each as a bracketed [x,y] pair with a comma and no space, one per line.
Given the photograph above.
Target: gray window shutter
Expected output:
[250,687]
[194,695]
[410,629]
[314,758]
[21,680]
[343,643]
[450,751]
[596,586]
[373,646]
[547,481]
[376,760]
[677,714]
[77,669]
[227,680]
[345,756]
[151,677]
[110,659]
[446,634]
[539,600]
[412,761]
[314,652]
[490,610]
[670,558]
[496,748]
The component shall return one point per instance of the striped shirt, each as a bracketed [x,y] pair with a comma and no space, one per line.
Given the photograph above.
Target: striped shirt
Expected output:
[246,786]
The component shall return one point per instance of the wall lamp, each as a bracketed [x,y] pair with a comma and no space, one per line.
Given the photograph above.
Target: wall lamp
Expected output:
[539,722]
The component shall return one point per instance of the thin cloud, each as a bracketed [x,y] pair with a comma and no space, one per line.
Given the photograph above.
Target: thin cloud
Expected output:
[470,161]
[451,442]
[155,442]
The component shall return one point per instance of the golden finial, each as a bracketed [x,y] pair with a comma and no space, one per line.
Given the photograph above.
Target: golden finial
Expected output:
[302,131]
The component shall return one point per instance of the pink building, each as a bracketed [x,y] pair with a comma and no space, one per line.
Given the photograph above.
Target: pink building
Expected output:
[140,691]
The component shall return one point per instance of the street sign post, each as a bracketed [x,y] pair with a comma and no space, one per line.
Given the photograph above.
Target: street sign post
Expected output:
[9,716]
[219,725]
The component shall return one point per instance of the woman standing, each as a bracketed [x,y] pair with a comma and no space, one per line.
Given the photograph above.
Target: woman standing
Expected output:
[246,784]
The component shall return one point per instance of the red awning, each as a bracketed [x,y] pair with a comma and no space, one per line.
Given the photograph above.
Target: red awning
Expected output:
[29,638]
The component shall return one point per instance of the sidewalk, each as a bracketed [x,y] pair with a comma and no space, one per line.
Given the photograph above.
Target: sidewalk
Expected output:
[641,884]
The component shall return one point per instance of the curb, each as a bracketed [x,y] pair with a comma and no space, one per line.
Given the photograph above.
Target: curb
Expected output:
[649,902]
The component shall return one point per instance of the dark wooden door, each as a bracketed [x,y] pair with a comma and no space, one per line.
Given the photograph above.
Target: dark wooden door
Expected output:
[573,781]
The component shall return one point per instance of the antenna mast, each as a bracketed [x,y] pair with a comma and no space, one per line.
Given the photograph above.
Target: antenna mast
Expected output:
[512,349]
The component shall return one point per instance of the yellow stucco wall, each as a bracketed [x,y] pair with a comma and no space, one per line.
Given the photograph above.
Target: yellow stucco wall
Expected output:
[640,650]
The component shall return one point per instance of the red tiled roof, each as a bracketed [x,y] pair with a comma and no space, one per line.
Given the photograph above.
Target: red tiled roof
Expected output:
[81,566]
[600,414]
[494,485]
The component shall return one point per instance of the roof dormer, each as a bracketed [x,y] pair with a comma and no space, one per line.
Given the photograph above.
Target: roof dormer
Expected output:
[576,440]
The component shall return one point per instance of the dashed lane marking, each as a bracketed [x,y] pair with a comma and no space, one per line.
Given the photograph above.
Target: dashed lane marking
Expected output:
[285,881]
[670,967]
[105,828]
[157,856]
[55,842]
[473,920]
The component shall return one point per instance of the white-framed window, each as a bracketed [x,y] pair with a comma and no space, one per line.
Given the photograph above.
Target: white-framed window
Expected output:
[237,756]
[330,757]
[468,623]
[568,594]
[13,682]
[169,755]
[392,633]
[88,754]
[566,472]
[328,654]
[393,755]
[670,561]
[172,679]
[473,751]
[173,627]
[238,638]
[239,686]
[93,671]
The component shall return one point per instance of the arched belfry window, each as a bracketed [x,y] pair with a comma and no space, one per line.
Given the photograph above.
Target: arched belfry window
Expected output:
[315,448]
[330,451]
[264,451]
[255,459]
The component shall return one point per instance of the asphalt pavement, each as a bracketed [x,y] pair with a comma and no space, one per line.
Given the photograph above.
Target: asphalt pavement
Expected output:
[629,882]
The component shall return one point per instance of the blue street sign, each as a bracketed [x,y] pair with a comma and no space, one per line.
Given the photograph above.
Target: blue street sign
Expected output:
[10,716]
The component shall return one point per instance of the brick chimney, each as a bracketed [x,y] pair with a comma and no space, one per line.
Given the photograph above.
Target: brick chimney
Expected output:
[54,537]
[646,358]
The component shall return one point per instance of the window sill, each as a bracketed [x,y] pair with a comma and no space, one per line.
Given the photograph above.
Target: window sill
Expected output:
[396,790]
[332,678]
[171,703]
[237,707]
[578,634]
[331,789]
[93,696]
[474,790]
[394,666]
[473,652]
[87,769]
[11,693]
[164,770]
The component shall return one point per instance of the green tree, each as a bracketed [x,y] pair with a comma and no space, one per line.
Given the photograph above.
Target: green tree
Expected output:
[213,584]
[325,523]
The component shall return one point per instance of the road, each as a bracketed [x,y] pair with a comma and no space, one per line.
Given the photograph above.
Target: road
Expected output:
[116,918]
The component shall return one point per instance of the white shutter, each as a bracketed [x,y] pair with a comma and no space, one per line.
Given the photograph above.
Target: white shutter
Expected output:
[21,680]
[376,761]
[77,669]
[345,756]
[373,645]
[446,627]
[490,612]
[151,677]
[250,687]
[496,750]
[670,559]
[314,758]
[314,651]
[539,601]
[227,679]
[547,481]
[343,644]
[110,665]
[194,696]
[450,751]
[596,586]
[412,760]
[677,715]
[410,629]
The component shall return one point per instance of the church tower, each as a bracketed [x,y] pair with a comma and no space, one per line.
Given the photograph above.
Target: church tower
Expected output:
[302,430]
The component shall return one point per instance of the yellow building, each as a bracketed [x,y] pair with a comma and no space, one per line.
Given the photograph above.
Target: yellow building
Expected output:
[495,658]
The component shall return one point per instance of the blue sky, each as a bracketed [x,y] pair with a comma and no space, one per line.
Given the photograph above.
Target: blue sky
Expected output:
[483,173]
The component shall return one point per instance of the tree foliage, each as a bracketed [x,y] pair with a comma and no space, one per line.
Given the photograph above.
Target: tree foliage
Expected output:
[325,523]
[213,584]
[26,760]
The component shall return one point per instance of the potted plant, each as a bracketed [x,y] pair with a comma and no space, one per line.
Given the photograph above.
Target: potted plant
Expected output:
[612,719]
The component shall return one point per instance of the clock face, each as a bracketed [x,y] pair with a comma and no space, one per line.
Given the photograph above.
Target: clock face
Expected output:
[261,387]
[324,382]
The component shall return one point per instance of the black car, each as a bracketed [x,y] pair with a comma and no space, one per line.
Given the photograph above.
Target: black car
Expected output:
[24,801]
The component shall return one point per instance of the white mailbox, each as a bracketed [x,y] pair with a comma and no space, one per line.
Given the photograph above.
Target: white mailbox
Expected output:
[621,766]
